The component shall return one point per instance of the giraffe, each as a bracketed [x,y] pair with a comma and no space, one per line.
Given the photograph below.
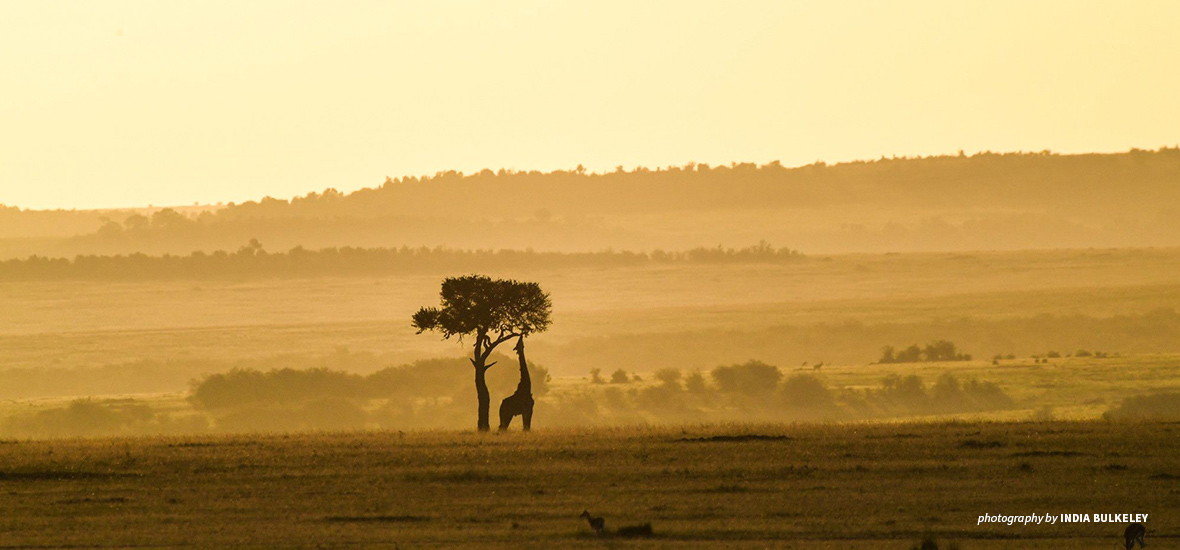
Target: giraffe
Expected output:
[521,402]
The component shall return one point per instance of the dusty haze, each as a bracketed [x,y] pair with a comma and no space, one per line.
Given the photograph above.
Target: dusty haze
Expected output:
[531,274]
[220,219]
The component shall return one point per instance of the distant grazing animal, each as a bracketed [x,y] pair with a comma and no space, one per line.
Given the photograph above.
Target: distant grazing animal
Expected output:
[818,366]
[597,524]
[521,402]
[1134,533]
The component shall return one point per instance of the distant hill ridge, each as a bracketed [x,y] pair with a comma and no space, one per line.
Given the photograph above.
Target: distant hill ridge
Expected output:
[1072,182]
[887,179]
[955,202]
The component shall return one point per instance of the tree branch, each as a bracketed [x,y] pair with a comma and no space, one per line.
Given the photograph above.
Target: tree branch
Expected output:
[504,338]
[489,345]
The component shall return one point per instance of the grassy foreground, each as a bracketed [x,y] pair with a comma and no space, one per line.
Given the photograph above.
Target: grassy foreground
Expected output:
[779,486]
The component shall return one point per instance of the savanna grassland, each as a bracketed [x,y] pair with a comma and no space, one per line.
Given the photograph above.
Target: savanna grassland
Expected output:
[141,346]
[248,376]
[732,486]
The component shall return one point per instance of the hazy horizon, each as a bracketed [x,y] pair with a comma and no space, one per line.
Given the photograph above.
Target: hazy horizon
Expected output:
[204,204]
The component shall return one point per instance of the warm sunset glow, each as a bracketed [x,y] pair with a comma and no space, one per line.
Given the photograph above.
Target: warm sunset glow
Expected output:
[135,103]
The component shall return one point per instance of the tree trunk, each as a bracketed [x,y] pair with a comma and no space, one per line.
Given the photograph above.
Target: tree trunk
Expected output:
[481,392]
[479,360]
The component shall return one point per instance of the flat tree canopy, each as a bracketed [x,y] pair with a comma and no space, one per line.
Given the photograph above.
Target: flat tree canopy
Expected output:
[480,305]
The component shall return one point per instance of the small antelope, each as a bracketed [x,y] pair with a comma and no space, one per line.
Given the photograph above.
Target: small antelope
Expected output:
[597,524]
[1133,534]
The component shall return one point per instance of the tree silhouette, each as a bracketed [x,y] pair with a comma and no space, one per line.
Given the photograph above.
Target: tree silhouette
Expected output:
[493,311]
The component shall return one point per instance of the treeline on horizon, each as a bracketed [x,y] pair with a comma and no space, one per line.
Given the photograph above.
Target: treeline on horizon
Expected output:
[1044,181]
[252,260]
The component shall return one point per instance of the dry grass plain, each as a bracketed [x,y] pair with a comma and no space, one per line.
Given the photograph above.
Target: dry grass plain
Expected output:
[86,324]
[857,485]
[729,486]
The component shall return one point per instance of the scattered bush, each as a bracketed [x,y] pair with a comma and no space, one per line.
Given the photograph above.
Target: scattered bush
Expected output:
[669,377]
[88,418]
[806,396]
[753,378]
[240,387]
[695,383]
[663,399]
[436,394]
[908,395]
[433,393]
[1157,406]
[907,392]
[429,378]
[938,350]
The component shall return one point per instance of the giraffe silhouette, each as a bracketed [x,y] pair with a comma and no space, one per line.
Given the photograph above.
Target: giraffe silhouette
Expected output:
[521,402]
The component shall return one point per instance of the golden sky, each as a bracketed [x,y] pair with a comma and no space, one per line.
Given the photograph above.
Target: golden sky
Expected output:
[112,103]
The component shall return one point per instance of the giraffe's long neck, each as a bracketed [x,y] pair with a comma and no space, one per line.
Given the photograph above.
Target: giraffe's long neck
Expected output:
[526,385]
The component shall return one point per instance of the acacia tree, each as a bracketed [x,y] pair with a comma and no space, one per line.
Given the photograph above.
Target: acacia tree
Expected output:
[492,311]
